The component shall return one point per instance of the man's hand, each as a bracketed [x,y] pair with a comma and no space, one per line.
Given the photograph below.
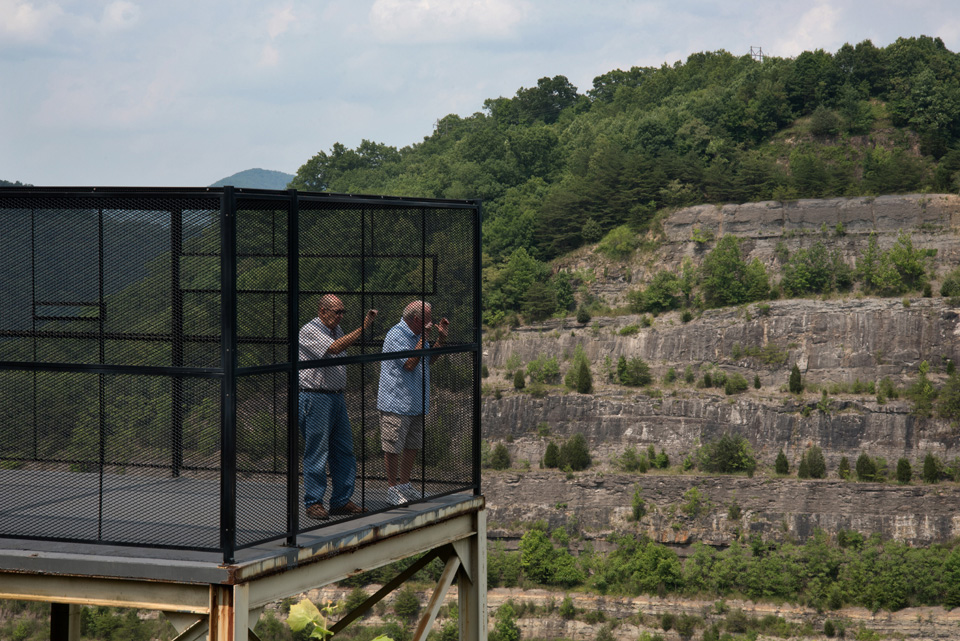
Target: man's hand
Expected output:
[369,318]
[442,328]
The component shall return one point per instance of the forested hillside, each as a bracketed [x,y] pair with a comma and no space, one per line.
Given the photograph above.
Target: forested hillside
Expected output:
[558,168]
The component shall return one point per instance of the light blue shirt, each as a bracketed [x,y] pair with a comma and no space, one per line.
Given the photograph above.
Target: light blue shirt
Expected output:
[403,392]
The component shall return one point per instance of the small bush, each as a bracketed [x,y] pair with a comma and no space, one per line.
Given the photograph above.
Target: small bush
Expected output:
[843,470]
[406,605]
[735,384]
[866,468]
[518,380]
[904,471]
[575,454]
[583,316]
[500,457]
[781,465]
[551,457]
[638,506]
[667,619]
[795,384]
[634,373]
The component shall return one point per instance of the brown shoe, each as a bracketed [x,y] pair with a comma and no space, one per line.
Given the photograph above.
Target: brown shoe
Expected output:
[349,508]
[317,511]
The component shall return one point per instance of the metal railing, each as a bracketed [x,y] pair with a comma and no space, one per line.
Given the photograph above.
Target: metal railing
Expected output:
[150,366]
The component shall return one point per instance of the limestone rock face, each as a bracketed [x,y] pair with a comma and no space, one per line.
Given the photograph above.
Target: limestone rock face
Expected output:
[776,509]
[834,340]
[883,214]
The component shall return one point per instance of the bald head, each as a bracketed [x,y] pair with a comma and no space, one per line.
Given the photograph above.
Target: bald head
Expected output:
[330,310]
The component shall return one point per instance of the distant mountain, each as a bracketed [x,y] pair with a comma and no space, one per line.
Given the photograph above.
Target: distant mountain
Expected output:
[256,179]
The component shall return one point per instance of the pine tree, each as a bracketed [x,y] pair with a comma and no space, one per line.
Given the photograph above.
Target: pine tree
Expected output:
[782,465]
[796,382]
[551,457]
[904,471]
[931,469]
[518,380]
[843,470]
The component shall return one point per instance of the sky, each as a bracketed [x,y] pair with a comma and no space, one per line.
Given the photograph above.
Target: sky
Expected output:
[186,92]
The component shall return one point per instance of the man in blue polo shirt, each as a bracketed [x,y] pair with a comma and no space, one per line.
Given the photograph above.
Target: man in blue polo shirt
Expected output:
[403,397]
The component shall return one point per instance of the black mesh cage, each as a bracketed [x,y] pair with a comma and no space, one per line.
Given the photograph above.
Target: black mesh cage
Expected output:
[153,386]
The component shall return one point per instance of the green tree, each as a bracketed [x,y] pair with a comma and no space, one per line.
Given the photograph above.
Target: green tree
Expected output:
[635,372]
[781,465]
[843,469]
[904,471]
[727,280]
[519,382]
[505,626]
[816,465]
[729,454]
[796,382]
[932,469]
[866,468]
[551,456]
[575,454]
[500,458]
[406,605]
[948,398]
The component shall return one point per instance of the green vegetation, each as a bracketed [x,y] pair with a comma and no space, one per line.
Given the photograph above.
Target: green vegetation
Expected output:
[730,454]
[500,457]
[558,168]
[870,572]
[634,372]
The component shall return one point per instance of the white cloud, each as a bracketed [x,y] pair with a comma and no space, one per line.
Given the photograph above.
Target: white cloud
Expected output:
[419,21]
[815,29]
[269,56]
[28,21]
[120,15]
[280,21]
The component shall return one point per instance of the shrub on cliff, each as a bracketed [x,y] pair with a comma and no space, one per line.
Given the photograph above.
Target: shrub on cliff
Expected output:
[813,464]
[578,376]
[575,454]
[551,457]
[781,465]
[727,455]
[500,458]
[948,400]
[904,471]
[866,468]
[796,382]
[635,372]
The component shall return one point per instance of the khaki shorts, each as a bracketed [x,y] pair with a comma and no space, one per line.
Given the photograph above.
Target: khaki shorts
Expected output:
[399,432]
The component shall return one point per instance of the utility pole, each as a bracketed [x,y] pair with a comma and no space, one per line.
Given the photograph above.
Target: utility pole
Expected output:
[756,53]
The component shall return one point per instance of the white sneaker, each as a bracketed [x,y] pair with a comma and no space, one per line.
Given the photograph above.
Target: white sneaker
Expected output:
[409,492]
[395,495]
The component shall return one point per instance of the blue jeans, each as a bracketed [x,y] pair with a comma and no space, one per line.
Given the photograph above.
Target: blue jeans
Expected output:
[328,439]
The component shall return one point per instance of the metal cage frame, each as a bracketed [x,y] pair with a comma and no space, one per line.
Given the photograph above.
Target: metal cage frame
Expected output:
[231,372]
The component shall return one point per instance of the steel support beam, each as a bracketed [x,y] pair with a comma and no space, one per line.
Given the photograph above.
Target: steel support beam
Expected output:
[472,594]
[64,622]
[338,567]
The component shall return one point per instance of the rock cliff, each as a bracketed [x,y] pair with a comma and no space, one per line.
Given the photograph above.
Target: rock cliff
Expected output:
[839,344]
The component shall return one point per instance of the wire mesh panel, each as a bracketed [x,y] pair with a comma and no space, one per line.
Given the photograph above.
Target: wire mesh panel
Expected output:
[261,457]
[164,354]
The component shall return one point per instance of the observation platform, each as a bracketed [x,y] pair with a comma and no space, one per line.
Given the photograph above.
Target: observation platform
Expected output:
[152,384]
[203,597]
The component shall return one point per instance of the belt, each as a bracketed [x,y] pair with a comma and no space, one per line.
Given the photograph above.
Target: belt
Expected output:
[322,391]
